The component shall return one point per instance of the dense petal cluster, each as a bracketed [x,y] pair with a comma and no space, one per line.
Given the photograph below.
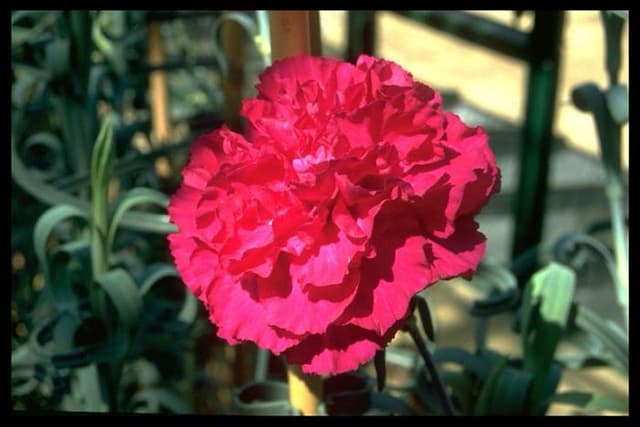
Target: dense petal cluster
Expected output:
[353,191]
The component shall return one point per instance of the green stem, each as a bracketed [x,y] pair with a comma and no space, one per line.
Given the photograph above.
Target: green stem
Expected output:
[446,404]
[614,194]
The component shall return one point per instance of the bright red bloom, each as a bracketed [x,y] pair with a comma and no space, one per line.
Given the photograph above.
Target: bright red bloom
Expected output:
[355,192]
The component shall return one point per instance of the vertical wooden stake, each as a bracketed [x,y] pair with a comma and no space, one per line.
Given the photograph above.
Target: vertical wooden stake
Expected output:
[292,33]
[289,31]
[232,35]
[158,86]
[305,391]
[315,39]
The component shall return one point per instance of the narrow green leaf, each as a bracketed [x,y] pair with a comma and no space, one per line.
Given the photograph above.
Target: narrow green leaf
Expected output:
[478,366]
[483,403]
[591,401]
[57,56]
[124,295]
[52,146]
[546,307]
[69,264]
[101,162]
[501,286]
[189,309]
[50,195]
[44,226]
[461,387]
[609,334]
[136,196]
[511,392]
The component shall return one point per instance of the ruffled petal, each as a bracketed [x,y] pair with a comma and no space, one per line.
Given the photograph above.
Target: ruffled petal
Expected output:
[340,349]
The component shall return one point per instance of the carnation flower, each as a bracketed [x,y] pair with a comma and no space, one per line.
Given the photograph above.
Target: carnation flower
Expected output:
[353,191]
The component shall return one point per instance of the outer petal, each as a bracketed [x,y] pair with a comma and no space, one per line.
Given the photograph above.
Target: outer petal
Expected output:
[340,349]
[194,261]
[407,263]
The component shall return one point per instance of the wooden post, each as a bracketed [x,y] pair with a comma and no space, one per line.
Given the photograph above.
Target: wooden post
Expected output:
[232,35]
[158,86]
[315,39]
[289,31]
[292,33]
[305,391]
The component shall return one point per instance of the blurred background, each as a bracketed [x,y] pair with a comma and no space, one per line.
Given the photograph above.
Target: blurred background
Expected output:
[171,76]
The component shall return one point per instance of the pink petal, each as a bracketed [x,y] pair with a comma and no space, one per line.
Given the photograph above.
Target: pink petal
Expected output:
[405,264]
[288,305]
[241,317]
[340,349]
[328,263]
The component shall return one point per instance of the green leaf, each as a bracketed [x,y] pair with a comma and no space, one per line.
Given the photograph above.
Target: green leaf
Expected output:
[124,295]
[618,103]
[591,401]
[479,366]
[101,165]
[501,286]
[482,406]
[136,196]
[90,389]
[50,195]
[608,333]
[546,306]
[189,309]
[57,57]
[44,226]
[461,387]
[52,148]
[29,85]
[624,14]
[69,265]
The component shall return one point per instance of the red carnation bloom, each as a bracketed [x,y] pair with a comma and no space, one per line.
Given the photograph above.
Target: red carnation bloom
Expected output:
[355,192]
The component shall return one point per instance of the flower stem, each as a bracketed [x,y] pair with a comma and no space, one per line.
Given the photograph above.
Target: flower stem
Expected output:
[614,194]
[411,327]
[305,391]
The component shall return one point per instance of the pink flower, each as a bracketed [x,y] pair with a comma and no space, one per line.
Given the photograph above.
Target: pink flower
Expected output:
[354,192]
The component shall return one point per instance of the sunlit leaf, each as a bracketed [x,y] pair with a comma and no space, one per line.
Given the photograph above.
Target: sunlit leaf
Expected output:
[546,306]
